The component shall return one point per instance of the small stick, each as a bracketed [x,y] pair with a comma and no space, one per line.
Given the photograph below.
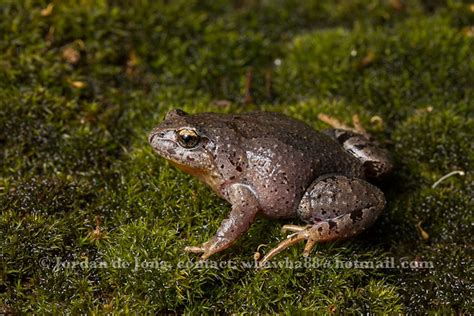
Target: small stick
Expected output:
[358,125]
[452,173]
[332,121]
[358,128]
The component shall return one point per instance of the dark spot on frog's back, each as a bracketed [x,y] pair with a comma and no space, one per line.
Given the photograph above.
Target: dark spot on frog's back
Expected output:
[356,215]
[373,168]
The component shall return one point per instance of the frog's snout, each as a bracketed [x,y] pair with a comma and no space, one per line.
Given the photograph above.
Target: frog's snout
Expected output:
[155,134]
[151,136]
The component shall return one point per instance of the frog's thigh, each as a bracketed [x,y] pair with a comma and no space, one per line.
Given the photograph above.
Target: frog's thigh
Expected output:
[340,207]
[375,159]
[335,207]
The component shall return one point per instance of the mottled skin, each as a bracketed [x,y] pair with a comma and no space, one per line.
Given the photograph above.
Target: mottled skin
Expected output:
[271,164]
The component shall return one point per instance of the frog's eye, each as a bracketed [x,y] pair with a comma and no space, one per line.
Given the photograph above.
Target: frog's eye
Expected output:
[188,138]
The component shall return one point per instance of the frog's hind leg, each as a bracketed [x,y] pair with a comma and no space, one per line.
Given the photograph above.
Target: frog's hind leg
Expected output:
[375,160]
[336,207]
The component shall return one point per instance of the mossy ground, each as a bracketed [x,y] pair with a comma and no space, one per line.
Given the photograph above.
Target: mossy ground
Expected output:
[81,84]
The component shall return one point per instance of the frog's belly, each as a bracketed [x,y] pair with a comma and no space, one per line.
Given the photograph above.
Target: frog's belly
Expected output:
[278,213]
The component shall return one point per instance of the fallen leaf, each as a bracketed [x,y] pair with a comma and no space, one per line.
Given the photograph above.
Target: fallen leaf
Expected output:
[366,61]
[468,31]
[397,4]
[47,11]
[132,63]
[423,233]
[71,55]
[222,103]
[78,84]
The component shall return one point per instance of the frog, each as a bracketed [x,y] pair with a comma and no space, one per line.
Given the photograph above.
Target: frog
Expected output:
[267,163]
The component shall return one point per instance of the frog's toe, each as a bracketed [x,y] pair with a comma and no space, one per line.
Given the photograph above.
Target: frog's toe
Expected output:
[303,234]
[312,239]
[308,232]
[205,251]
[294,228]
[195,249]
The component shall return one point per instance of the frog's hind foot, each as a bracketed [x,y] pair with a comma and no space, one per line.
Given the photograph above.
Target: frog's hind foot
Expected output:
[335,207]
[301,233]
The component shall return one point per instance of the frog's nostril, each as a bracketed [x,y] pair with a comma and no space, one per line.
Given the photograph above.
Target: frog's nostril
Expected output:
[153,135]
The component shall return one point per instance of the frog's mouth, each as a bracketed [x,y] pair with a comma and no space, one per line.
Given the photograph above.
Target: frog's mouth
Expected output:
[163,147]
[205,176]
[166,149]
[189,170]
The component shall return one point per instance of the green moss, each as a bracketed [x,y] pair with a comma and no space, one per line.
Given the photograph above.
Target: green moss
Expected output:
[79,183]
[388,70]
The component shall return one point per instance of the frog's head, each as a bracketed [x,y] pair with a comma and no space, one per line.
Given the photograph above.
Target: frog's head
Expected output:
[183,143]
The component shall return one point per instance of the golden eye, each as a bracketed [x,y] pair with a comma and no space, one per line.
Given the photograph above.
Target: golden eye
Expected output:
[188,138]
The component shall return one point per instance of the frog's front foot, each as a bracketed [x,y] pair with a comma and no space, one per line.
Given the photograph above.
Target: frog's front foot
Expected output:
[195,249]
[199,249]
[244,209]
[209,248]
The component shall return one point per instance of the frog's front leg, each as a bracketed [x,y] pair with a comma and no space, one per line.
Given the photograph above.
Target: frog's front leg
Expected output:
[336,207]
[244,208]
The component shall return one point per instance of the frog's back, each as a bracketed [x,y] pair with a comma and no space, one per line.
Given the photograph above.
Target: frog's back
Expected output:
[320,151]
[284,129]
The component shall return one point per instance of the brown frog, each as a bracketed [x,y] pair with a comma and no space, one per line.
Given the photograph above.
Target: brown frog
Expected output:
[267,163]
